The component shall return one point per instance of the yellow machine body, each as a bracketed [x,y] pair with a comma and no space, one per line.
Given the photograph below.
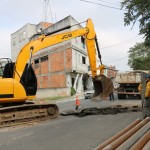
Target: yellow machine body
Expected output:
[12,91]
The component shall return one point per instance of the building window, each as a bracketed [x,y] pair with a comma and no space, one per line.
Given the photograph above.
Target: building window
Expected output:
[20,37]
[14,41]
[83,60]
[72,81]
[45,58]
[24,35]
[79,58]
[83,42]
[89,68]
[36,61]
[1,72]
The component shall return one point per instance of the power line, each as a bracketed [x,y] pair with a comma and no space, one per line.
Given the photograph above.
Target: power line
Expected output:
[119,43]
[118,55]
[101,4]
[117,4]
[116,59]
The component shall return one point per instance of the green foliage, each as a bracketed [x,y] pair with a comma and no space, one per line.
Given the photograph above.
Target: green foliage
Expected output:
[139,57]
[56,97]
[73,91]
[138,10]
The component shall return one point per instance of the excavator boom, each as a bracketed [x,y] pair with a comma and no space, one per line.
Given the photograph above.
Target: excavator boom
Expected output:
[102,89]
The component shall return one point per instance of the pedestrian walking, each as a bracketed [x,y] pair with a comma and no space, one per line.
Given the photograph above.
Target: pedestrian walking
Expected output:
[111,96]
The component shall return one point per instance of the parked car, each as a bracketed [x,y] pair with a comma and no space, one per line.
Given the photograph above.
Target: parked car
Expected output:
[89,93]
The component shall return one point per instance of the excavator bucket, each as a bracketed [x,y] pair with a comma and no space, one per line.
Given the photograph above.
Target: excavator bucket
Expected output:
[103,87]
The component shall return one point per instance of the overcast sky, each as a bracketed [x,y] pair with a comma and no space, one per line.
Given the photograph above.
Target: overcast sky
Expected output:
[114,38]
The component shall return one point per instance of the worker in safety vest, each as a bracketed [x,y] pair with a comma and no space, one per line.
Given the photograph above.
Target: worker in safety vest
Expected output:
[146,102]
[147,92]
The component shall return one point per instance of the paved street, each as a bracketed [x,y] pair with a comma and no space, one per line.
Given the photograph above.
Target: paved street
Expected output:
[68,132]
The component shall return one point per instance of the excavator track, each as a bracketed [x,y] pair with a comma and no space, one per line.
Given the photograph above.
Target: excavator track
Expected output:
[10,116]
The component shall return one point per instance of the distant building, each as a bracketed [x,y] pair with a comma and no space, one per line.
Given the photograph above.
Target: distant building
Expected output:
[23,35]
[111,71]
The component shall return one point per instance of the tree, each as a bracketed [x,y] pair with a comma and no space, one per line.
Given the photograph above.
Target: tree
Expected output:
[139,57]
[138,10]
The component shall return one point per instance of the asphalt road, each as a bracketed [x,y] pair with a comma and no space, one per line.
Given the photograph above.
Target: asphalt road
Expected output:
[67,132]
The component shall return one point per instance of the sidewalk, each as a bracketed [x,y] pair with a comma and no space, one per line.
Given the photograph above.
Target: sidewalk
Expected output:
[124,103]
[67,99]
[71,98]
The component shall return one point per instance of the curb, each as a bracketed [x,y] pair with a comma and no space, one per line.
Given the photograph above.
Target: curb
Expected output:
[69,99]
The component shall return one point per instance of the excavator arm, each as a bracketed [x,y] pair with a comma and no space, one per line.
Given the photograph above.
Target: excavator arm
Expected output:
[48,40]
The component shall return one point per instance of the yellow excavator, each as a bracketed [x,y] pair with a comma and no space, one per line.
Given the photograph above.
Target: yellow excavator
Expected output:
[18,83]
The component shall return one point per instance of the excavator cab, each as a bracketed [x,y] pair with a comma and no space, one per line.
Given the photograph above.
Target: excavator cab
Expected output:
[28,78]
[6,68]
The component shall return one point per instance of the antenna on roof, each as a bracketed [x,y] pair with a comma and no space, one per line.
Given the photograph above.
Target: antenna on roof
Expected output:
[47,11]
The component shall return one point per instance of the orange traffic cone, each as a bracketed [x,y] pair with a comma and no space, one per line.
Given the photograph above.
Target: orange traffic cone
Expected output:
[77,103]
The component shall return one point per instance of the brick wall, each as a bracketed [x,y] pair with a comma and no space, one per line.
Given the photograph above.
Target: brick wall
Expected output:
[38,82]
[37,69]
[57,81]
[51,73]
[44,67]
[56,61]
[68,59]
[44,82]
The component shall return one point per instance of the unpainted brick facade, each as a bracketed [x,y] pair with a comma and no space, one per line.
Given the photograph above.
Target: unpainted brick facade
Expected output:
[51,71]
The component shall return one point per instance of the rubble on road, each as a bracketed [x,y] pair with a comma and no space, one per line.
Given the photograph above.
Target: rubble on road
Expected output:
[101,111]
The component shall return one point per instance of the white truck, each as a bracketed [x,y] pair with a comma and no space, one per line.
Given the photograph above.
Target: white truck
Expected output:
[128,83]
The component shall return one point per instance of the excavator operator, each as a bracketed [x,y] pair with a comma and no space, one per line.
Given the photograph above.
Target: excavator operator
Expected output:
[146,101]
